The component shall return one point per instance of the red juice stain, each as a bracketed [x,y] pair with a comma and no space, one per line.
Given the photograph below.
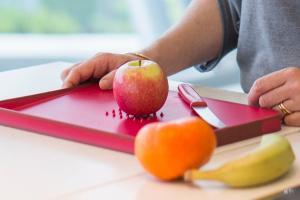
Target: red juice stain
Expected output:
[161,114]
[106,113]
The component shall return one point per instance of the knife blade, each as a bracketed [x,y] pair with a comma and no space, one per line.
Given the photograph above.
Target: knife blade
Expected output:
[191,97]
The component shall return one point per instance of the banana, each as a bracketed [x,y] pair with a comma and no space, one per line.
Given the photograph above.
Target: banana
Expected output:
[272,159]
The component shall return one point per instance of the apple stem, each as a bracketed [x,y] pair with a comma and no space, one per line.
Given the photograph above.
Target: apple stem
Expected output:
[140,63]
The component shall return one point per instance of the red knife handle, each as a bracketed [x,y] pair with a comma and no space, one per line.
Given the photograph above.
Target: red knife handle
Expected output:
[190,96]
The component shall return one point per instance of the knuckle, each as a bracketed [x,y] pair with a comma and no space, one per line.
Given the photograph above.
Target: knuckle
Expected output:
[294,87]
[286,121]
[263,101]
[291,120]
[291,71]
[65,72]
[103,54]
[74,71]
[258,86]
[99,54]
[296,100]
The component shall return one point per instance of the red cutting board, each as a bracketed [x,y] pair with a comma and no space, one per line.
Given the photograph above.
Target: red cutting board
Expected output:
[89,115]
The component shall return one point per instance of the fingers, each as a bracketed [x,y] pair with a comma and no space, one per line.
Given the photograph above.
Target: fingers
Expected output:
[280,91]
[265,84]
[282,108]
[73,78]
[106,82]
[292,119]
[292,105]
[85,71]
[95,67]
[65,72]
[274,97]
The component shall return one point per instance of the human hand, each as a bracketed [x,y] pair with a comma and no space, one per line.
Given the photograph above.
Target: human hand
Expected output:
[279,90]
[102,65]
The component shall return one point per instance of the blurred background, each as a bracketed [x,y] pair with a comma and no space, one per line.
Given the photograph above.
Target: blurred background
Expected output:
[34,32]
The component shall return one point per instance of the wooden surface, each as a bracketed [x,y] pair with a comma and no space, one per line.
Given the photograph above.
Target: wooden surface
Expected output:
[34,166]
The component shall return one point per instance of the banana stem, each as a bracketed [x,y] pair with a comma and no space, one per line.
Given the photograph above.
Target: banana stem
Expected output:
[192,175]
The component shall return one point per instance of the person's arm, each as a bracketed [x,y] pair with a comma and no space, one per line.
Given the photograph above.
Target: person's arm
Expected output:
[196,38]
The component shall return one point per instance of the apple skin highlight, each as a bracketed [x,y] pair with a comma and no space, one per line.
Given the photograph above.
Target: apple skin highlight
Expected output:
[140,87]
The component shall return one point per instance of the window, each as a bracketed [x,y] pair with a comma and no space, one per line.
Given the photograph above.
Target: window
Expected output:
[40,31]
[77,16]
[65,16]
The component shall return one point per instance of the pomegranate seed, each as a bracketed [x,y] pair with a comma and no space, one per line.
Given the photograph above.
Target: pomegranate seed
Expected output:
[162,114]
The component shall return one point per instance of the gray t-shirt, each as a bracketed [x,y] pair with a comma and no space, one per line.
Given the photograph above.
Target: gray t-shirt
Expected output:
[266,34]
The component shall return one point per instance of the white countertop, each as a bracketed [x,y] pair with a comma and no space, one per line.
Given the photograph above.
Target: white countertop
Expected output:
[34,166]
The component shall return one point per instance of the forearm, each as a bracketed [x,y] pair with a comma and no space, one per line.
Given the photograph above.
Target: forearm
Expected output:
[195,39]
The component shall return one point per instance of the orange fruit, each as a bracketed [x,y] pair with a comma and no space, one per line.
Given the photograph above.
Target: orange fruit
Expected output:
[168,149]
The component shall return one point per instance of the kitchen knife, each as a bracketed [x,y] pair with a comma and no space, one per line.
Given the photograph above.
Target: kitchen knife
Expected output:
[191,97]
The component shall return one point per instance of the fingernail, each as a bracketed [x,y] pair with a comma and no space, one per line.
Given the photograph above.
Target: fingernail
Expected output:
[64,86]
[63,77]
[67,85]
[103,84]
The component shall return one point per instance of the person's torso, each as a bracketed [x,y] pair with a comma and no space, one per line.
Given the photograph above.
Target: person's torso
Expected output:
[269,38]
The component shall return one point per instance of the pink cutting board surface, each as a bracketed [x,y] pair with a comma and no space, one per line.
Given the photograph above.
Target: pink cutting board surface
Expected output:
[93,109]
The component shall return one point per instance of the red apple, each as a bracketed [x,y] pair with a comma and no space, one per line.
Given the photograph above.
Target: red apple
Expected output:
[140,87]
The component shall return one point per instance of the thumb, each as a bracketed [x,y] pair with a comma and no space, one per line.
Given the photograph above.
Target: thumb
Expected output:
[106,82]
